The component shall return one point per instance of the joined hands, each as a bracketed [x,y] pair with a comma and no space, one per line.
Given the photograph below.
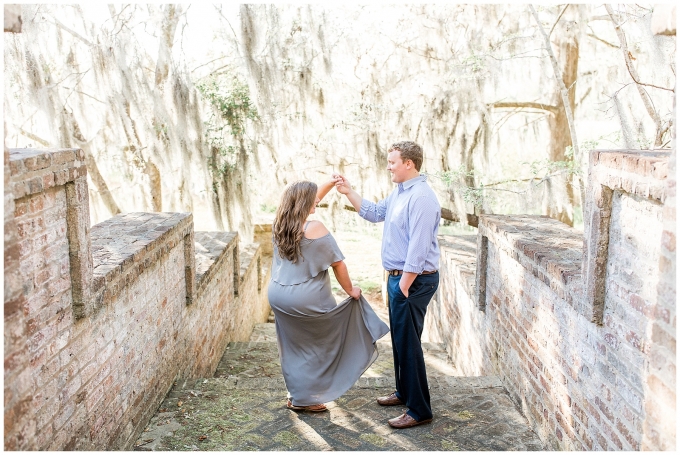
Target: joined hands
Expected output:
[341,184]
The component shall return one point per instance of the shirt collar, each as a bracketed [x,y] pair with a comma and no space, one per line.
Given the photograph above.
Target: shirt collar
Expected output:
[411,182]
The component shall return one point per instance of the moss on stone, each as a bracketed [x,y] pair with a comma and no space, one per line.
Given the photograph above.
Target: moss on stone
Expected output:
[287,438]
[449,445]
[465,415]
[374,439]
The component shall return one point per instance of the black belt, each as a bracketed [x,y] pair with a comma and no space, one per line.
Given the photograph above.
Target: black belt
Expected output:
[399,272]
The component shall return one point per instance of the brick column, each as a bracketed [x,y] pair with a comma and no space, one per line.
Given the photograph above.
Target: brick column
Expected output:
[660,384]
[637,172]
[78,230]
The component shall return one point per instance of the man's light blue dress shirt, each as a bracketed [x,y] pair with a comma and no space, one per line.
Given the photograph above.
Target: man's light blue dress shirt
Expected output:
[411,214]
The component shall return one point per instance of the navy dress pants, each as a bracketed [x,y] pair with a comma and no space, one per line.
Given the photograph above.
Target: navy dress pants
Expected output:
[407,315]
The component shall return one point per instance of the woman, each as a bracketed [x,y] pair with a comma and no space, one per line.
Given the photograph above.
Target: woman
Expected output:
[324,347]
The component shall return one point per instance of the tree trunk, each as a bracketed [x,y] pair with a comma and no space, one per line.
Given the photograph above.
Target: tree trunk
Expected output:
[560,191]
[154,186]
[167,38]
[73,131]
[478,141]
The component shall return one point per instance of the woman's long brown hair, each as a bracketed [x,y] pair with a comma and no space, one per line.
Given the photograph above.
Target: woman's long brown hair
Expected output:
[296,202]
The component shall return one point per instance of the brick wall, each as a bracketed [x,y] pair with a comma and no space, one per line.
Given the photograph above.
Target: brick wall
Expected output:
[255,275]
[452,317]
[99,322]
[660,384]
[660,375]
[14,319]
[567,321]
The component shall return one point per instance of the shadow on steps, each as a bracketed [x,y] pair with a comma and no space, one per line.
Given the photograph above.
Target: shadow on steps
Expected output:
[243,408]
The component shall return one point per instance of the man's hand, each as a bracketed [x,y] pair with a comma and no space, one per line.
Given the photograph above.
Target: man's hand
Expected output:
[342,184]
[343,187]
[403,291]
[407,279]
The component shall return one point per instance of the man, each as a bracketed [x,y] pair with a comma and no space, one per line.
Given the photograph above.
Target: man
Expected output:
[410,253]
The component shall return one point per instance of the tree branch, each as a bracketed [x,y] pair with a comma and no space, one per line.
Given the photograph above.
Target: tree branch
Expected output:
[208,63]
[530,179]
[558,19]
[584,96]
[230,27]
[636,78]
[445,213]
[626,55]
[524,105]
[449,215]
[30,135]
[592,35]
[560,82]
[65,28]
[324,205]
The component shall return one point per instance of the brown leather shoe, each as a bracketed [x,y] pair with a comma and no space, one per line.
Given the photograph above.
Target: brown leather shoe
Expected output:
[406,421]
[313,408]
[389,400]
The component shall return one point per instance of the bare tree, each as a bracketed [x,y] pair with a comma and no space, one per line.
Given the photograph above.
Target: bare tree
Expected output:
[560,197]
[661,129]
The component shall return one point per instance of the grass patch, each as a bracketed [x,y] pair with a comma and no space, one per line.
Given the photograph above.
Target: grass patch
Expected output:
[465,415]
[287,438]
[449,445]
[369,285]
[373,439]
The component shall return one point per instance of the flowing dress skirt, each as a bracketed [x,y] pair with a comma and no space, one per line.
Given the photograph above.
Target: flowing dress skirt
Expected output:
[324,347]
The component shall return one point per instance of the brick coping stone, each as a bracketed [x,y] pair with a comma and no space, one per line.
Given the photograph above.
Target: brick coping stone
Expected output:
[134,241]
[556,248]
[211,250]
[647,163]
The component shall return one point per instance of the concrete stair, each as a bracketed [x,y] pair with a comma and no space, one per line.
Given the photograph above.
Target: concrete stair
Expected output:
[243,408]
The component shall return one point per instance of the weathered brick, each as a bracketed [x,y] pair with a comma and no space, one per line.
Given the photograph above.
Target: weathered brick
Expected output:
[641,305]
[61,177]
[64,156]
[21,207]
[668,240]
[662,338]
[17,167]
[635,340]
[606,411]
[628,436]
[613,439]
[664,393]
[662,313]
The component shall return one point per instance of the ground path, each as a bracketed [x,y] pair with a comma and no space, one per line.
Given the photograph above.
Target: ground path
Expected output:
[243,408]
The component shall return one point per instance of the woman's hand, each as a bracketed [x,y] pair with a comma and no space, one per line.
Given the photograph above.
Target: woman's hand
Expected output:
[342,184]
[355,293]
[340,270]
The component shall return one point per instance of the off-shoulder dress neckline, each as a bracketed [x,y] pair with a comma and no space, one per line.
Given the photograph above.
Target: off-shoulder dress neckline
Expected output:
[318,238]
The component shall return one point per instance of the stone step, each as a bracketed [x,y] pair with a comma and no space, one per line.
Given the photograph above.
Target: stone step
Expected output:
[243,408]
[249,414]
[250,359]
[264,332]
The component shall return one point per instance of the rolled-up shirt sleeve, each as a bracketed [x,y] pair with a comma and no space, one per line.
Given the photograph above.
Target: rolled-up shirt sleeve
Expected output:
[373,211]
[423,222]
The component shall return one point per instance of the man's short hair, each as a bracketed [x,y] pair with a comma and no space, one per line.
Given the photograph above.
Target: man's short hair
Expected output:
[409,150]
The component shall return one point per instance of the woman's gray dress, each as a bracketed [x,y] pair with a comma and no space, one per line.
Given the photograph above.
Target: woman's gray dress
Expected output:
[324,347]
